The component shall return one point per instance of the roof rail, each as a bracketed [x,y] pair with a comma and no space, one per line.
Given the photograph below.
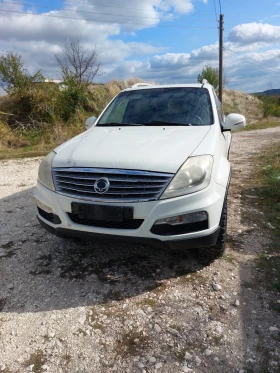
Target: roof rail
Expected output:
[140,85]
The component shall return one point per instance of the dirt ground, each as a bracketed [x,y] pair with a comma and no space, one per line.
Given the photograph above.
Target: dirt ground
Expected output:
[81,306]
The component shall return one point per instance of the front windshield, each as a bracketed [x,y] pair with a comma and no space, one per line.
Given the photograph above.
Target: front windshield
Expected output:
[155,106]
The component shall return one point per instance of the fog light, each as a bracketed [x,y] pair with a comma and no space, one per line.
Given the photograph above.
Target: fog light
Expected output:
[184,219]
[42,206]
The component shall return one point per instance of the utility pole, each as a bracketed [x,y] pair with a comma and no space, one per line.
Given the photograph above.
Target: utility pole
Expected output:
[221,28]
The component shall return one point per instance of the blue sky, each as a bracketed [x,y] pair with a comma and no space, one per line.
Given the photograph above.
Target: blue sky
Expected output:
[166,41]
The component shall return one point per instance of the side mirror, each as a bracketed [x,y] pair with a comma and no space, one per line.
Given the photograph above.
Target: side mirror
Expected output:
[234,122]
[90,122]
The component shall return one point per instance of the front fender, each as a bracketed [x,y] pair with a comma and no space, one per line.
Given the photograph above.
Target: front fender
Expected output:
[223,173]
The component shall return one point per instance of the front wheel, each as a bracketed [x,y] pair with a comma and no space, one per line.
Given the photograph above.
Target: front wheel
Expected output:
[218,249]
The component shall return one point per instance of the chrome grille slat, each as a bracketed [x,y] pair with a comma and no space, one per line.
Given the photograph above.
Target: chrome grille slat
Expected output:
[109,192]
[163,180]
[125,185]
[143,187]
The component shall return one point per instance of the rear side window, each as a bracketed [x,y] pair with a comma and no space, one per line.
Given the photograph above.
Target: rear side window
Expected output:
[184,105]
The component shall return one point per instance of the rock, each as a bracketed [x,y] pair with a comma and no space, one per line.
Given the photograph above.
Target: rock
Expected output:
[51,334]
[237,303]
[157,328]
[186,369]
[2,253]
[140,365]
[273,329]
[152,359]
[208,352]
[158,365]
[82,319]
[269,225]
[44,367]
[198,361]
[30,368]
[188,356]
[149,309]
[216,287]
[10,286]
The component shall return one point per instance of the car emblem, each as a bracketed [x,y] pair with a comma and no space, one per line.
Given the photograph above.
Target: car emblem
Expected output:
[102,186]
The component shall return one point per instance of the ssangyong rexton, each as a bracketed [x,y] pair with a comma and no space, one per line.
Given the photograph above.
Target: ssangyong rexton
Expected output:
[152,168]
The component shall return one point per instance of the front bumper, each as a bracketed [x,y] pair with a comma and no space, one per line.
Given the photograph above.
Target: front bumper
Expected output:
[210,200]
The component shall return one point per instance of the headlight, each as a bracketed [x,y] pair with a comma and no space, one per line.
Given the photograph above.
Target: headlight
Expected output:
[194,175]
[45,171]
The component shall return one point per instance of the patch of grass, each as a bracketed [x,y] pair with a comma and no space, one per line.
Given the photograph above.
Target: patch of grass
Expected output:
[18,154]
[81,331]
[37,359]
[262,124]
[132,343]
[177,327]
[274,306]
[269,176]
[67,358]
[193,279]
[228,258]
[149,302]
[217,340]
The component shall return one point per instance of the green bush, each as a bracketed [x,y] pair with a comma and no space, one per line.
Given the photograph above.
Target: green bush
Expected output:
[271,105]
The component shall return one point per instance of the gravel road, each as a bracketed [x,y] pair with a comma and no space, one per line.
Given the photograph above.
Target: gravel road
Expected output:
[82,306]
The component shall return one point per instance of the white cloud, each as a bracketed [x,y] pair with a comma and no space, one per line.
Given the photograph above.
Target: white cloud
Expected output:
[36,38]
[254,33]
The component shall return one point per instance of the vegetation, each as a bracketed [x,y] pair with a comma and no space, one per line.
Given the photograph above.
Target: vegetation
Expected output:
[37,115]
[77,63]
[15,78]
[271,105]
[54,115]
[270,197]
[211,74]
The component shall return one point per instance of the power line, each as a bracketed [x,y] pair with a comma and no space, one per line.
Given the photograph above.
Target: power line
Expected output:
[220,7]
[121,7]
[83,11]
[251,59]
[216,12]
[99,21]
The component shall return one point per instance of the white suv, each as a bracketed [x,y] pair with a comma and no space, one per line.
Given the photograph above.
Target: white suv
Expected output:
[152,168]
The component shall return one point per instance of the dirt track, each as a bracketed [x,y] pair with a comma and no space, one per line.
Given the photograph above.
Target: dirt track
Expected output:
[71,306]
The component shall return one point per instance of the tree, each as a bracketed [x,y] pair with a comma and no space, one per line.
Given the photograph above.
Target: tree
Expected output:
[15,78]
[77,63]
[211,74]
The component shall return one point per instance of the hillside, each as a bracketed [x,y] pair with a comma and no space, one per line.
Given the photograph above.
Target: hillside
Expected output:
[242,103]
[269,92]
[15,133]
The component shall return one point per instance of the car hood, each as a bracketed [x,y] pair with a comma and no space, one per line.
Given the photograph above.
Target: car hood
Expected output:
[162,149]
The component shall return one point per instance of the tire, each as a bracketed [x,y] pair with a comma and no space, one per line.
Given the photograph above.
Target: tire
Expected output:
[208,254]
[218,249]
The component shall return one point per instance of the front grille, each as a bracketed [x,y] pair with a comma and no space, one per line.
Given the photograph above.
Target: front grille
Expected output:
[126,224]
[125,185]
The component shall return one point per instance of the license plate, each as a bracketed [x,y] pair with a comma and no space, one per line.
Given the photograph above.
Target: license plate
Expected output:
[100,212]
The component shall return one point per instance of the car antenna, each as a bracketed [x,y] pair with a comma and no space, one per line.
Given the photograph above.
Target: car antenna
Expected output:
[204,81]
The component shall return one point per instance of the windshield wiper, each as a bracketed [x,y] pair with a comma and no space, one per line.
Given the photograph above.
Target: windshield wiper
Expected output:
[164,123]
[119,124]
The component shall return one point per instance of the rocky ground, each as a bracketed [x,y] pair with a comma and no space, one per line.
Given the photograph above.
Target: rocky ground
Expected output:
[72,306]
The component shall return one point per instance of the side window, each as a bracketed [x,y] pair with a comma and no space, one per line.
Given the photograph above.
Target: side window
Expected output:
[219,108]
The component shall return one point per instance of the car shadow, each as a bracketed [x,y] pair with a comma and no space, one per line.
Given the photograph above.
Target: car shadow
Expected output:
[41,272]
